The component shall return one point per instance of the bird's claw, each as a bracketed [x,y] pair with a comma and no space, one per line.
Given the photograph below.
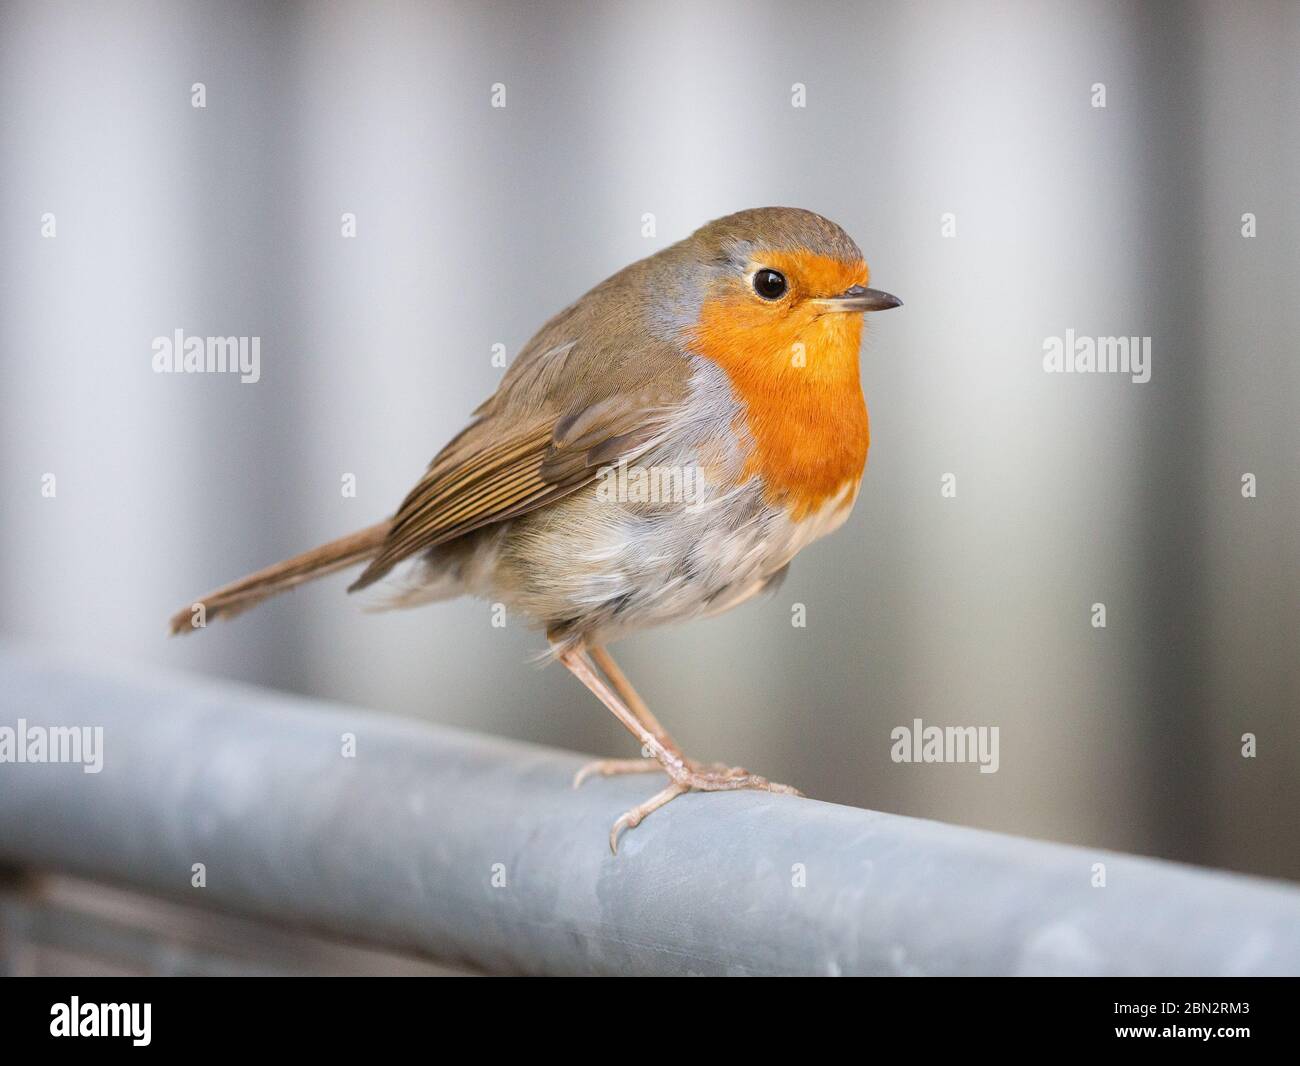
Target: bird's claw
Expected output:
[716,777]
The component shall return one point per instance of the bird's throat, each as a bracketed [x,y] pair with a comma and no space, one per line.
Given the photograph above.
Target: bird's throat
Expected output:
[797,381]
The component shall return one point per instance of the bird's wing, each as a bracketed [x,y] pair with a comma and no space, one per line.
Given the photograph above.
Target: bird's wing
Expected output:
[507,463]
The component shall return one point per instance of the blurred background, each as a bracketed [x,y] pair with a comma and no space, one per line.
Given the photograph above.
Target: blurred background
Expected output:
[475,223]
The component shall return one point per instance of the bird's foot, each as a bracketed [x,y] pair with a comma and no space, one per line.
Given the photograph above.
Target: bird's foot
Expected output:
[689,776]
[719,777]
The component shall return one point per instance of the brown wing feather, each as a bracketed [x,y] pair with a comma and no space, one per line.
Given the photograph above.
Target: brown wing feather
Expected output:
[487,478]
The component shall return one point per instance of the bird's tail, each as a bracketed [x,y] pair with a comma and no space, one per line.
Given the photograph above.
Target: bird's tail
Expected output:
[230,600]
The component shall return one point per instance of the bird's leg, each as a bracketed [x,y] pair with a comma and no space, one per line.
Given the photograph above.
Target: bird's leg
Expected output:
[624,688]
[686,774]
[634,703]
[670,759]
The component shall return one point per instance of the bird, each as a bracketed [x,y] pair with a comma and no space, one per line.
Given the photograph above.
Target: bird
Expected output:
[659,451]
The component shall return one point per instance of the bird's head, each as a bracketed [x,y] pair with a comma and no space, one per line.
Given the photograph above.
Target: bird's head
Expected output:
[778,290]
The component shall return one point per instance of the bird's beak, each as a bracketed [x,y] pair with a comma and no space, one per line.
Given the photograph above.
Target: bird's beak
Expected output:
[859,298]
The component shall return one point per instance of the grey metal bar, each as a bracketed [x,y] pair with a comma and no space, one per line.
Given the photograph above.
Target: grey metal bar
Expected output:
[475,850]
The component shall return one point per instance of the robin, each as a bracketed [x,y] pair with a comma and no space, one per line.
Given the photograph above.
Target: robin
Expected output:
[659,451]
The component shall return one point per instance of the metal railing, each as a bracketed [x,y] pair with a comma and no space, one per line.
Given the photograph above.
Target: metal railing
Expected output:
[475,852]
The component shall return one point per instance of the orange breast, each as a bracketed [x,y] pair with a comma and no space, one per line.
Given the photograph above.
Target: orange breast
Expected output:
[795,370]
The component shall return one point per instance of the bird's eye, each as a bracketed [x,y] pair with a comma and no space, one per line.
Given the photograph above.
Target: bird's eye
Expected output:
[769,284]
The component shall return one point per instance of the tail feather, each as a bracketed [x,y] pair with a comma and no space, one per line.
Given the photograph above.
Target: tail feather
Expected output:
[230,600]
